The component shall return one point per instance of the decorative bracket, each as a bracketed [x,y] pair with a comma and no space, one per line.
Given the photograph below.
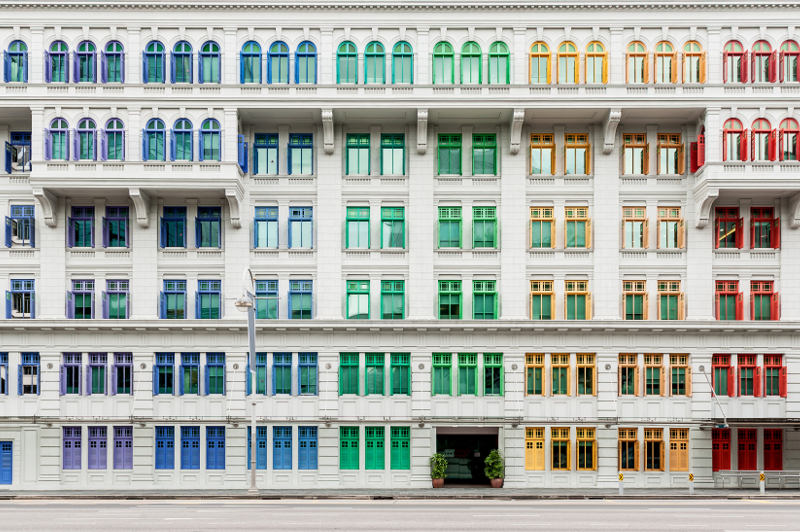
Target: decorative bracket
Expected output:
[610,129]
[422,131]
[517,118]
[703,207]
[794,211]
[48,202]
[234,199]
[140,203]
[327,130]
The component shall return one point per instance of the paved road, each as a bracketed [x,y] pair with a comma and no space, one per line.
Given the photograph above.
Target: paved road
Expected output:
[399,515]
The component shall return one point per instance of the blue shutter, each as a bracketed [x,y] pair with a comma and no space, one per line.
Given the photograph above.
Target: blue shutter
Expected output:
[33,231]
[103,67]
[8,158]
[33,305]
[249,385]
[197,305]
[122,67]
[6,67]
[19,379]
[144,68]
[8,304]
[104,302]
[196,233]
[180,379]
[25,67]
[155,379]
[206,381]
[172,148]
[70,305]
[162,306]
[199,67]
[145,145]
[8,232]
[200,154]
[171,67]
[48,70]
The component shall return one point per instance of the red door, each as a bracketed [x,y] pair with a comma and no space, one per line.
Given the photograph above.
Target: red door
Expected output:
[773,449]
[748,454]
[721,449]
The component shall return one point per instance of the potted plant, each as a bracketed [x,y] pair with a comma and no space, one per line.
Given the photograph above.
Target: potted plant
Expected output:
[495,468]
[438,469]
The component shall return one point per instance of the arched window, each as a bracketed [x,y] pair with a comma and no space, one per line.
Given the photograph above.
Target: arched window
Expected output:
[764,67]
[539,64]
[789,140]
[762,141]
[112,69]
[734,63]
[596,63]
[182,63]
[470,63]
[278,63]
[154,63]
[499,64]
[347,63]
[16,63]
[56,68]
[210,140]
[113,142]
[305,70]
[666,63]
[568,63]
[154,139]
[636,70]
[250,63]
[209,63]
[694,63]
[86,140]
[181,147]
[85,63]
[734,141]
[790,65]
[402,63]
[374,63]
[56,140]
[442,63]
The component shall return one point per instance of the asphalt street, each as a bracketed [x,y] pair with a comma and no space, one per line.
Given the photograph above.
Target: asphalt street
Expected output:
[350,515]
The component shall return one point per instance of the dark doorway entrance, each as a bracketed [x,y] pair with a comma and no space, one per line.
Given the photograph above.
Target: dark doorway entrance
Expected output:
[465,452]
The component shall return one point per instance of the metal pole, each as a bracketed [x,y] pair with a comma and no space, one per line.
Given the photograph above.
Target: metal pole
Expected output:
[251,337]
[762,482]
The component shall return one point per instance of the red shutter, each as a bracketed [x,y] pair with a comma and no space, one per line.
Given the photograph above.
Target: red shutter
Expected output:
[780,64]
[757,382]
[775,306]
[780,146]
[693,157]
[725,67]
[739,306]
[740,233]
[797,63]
[772,144]
[797,136]
[752,233]
[772,69]
[743,145]
[701,150]
[782,382]
[738,380]
[775,234]
[745,65]
[752,306]
[731,383]
[752,146]
[725,145]
[716,304]
[716,233]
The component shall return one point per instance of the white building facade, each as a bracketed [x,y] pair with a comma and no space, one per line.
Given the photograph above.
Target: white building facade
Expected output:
[565,230]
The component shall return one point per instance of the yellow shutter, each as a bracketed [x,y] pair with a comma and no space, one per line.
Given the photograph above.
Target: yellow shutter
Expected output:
[588,159]
[645,305]
[549,61]
[588,234]
[539,462]
[662,380]
[636,387]
[553,234]
[646,163]
[680,306]
[577,68]
[569,455]
[627,62]
[681,233]
[674,61]
[605,68]
[646,74]
[588,306]
[529,456]
[688,381]
[553,160]
[646,235]
[703,67]
[681,162]
[622,232]
[636,455]
[661,464]
[683,68]
[594,379]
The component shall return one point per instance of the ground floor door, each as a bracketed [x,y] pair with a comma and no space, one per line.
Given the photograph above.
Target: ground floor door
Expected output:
[465,450]
[5,462]
[748,453]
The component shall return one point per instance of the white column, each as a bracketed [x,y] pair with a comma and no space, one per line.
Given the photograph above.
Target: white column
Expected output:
[36,55]
[328,220]
[514,291]
[230,54]
[421,287]
[422,54]
[325,57]
[133,56]
[605,214]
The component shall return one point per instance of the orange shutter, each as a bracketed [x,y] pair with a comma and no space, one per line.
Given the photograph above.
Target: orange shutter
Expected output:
[703,67]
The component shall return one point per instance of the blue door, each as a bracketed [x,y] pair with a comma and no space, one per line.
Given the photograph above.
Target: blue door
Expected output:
[5,462]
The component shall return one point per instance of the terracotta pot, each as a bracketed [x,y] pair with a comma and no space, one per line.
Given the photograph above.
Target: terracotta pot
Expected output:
[496,482]
[438,482]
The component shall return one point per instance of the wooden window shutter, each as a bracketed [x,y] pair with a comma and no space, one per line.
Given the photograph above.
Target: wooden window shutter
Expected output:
[646,162]
[636,387]
[757,382]
[588,233]
[637,455]
[662,380]
[588,306]
[775,306]
[588,159]
[724,66]
[569,380]
[782,381]
[553,233]
[739,306]
[661,464]
[549,62]
[646,73]
[681,234]
[701,151]
[731,382]
[619,379]
[681,160]
[688,381]
[693,157]
[622,232]
[724,145]
[703,67]
[645,305]
[773,66]
[683,68]
[743,145]
[744,65]
[594,379]
[681,306]
[740,233]
[605,68]
[627,68]
[646,234]
[772,144]
[674,70]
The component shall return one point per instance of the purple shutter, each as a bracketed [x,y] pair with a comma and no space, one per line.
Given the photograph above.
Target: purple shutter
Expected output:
[112,386]
[88,388]
[63,384]
[122,67]
[70,306]
[123,145]
[91,303]
[105,233]
[47,141]
[103,145]
[145,145]
[47,67]
[25,67]
[200,155]
[8,234]
[94,145]
[104,451]
[70,233]
[76,72]
[75,153]
[144,68]
[66,134]
[104,298]
[103,76]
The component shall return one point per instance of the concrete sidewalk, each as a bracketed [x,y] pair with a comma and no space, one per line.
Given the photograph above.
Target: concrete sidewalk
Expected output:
[406,494]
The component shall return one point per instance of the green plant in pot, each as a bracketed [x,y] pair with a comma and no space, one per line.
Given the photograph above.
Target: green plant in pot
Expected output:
[438,469]
[495,468]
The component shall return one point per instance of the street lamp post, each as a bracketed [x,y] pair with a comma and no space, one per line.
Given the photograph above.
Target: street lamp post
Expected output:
[247,303]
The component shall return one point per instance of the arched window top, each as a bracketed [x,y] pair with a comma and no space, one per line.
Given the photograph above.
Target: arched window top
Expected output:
[734,47]
[182,47]
[114,47]
[498,48]
[87,123]
[183,124]
[155,47]
[347,48]
[210,47]
[401,48]
[789,124]
[17,46]
[733,124]
[567,47]
[114,124]
[374,48]
[471,48]
[790,46]
[251,47]
[86,47]
[539,48]
[58,123]
[595,47]
[59,46]
[306,47]
[692,47]
[762,46]
[155,124]
[279,47]
[636,47]
[761,124]
[210,124]
[443,48]
[664,47]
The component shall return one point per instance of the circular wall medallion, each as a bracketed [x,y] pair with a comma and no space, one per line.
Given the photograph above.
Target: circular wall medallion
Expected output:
[328,365]
[514,367]
[236,366]
[49,365]
[142,366]
[421,366]
[608,367]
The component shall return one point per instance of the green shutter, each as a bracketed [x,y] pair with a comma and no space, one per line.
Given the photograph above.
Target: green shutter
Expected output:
[401,448]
